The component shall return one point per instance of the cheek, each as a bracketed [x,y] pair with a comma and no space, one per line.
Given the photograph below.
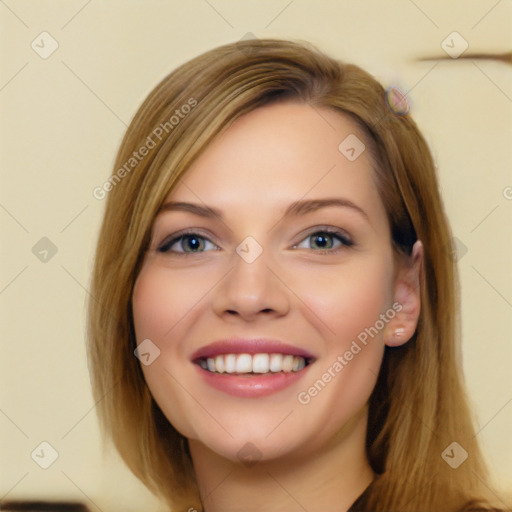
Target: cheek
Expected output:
[351,299]
[159,305]
[350,307]
[149,300]
[161,300]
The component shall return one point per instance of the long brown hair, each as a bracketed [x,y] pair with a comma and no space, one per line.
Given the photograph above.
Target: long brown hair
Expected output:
[419,406]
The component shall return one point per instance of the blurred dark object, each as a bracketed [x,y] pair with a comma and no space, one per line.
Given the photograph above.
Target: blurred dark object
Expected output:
[497,57]
[39,506]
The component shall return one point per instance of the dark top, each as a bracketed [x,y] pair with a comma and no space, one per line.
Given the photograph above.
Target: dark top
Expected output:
[360,504]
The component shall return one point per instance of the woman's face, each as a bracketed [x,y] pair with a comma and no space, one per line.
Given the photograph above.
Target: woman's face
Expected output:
[287,253]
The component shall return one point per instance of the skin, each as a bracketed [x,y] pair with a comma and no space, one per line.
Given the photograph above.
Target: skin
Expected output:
[311,456]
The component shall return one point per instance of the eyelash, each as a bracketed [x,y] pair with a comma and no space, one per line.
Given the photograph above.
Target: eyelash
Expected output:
[334,233]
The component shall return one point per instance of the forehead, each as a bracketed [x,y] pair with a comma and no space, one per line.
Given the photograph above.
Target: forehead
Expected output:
[281,153]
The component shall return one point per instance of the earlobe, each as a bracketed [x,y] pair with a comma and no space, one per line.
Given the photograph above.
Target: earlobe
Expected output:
[407,293]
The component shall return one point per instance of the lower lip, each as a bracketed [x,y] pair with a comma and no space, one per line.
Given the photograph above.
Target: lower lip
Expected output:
[254,386]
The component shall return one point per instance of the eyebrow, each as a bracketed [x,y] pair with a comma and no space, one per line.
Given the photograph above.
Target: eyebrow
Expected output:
[297,208]
[196,209]
[309,205]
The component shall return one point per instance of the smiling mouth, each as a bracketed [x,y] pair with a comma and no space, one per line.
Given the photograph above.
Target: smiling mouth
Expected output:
[253,364]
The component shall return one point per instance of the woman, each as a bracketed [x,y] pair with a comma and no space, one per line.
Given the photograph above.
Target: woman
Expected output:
[273,314]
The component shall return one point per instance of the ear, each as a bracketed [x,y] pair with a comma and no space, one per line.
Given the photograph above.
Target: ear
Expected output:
[407,299]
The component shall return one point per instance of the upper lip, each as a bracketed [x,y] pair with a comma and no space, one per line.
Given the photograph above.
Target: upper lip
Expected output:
[249,346]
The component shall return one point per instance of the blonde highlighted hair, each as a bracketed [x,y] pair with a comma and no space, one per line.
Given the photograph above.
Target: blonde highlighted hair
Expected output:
[419,406]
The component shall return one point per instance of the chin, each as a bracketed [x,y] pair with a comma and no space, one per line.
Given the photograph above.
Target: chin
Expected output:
[257,449]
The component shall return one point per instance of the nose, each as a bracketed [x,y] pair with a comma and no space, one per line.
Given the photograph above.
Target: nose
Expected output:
[252,290]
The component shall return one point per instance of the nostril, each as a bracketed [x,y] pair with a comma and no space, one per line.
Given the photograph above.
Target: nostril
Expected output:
[233,312]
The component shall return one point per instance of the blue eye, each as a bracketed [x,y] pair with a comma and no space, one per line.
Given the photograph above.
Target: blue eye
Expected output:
[187,243]
[326,241]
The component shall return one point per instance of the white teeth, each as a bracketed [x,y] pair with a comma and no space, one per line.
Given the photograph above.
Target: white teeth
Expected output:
[243,363]
[230,363]
[260,363]
[219,364]
[257,363]
[276,362]
[287,363]
[210,364]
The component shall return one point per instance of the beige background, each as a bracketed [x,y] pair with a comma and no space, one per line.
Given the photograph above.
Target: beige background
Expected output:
[62,119]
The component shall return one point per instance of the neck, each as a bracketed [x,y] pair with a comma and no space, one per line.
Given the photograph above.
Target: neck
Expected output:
[331,477]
